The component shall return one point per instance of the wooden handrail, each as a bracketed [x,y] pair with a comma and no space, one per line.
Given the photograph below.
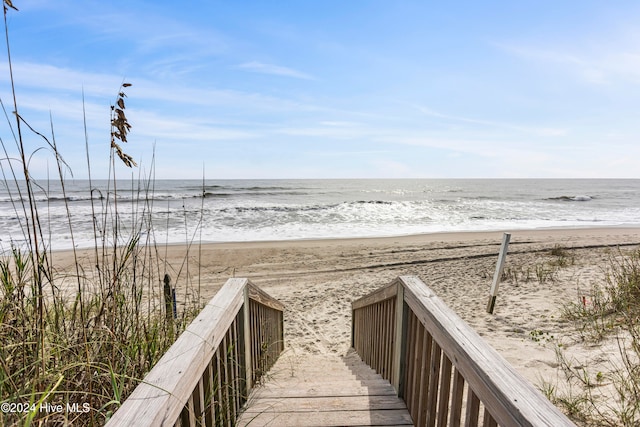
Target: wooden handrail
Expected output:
[206,375]
[434,354]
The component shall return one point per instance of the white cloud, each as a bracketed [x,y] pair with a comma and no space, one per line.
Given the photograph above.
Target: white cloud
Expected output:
[164,128]
[541,131]
[49,77]
[611,63]
[277,70]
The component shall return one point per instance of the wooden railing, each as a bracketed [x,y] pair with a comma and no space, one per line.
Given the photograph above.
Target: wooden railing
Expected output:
[441,367]
[206,375]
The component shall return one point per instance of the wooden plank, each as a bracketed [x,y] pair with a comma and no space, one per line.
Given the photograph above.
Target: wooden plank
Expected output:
[434,381]
[445,389]
[246,338]
[473,409]
[198,402]
[400,368]
[260,296]
[375,297]
[510,398]
[370,337]
[256,338]
[334,418]
[409,377]
[456,399]
[187,417]
[326,390]
[379,337]
[208,386]
[237,385]
[330,362]
[398,337]
[366,335]
[324,403]
[224,374]
[418,358]
[237,375]
[323,372]
[488,420]
[317,376]
[424,378]
[308,381]
[387,338]
[219,388]
[375,337]
[281,332]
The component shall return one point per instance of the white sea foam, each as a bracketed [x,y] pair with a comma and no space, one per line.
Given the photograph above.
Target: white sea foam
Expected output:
[243,210]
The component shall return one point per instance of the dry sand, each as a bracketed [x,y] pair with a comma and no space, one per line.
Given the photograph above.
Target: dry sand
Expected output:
[318,279]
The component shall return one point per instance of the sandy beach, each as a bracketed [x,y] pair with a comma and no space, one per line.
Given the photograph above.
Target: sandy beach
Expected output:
[318,279]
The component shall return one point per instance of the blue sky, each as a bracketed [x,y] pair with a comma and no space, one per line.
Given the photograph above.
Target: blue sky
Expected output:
[333,89]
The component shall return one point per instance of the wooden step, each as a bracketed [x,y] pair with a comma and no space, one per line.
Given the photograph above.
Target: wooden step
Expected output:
[329,418]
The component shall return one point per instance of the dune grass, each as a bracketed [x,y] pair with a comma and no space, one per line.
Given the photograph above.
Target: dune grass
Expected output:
[75,343]
[610,313]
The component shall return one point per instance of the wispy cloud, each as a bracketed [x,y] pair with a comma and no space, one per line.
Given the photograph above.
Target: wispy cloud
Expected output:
[276,70]
[151,125]
[608,64]
[72,82]
[541,131]
[31,74]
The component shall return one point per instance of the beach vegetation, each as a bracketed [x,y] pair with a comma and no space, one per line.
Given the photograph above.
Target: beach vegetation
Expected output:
[608,315]
[76,342]
[544,270]
[540,336]
[562,257]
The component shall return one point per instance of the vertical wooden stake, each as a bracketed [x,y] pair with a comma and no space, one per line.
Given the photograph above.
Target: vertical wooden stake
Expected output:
[498,273]
[175,303]
[168,303]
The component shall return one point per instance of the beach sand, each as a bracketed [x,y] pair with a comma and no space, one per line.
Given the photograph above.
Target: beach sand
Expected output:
[318,279]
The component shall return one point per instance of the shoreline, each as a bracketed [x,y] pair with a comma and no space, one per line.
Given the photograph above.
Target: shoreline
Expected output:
[439,236]
[430,237]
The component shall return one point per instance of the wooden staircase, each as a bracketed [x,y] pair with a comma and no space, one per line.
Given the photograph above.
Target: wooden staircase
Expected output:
[323,390]
[229,368]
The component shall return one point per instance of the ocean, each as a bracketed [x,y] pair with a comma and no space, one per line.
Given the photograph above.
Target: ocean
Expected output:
[186,211]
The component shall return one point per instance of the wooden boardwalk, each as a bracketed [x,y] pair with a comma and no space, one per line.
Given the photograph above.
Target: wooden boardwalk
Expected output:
[324,390]
[444,371]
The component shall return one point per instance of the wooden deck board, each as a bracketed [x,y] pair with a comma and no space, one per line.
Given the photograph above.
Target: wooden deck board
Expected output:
[330,419]
[325,403]
[324,390]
